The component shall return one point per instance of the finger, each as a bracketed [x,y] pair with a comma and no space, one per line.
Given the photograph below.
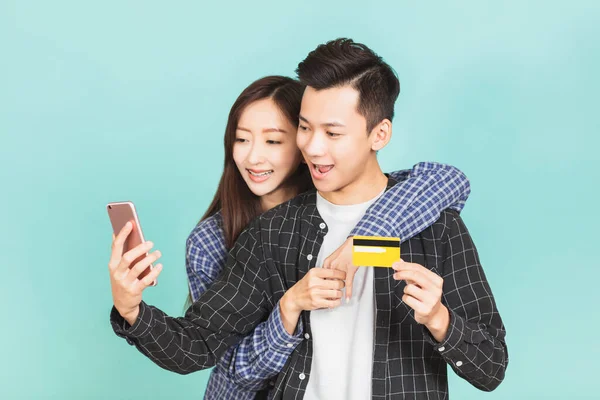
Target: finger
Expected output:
[416,278]
[117,246]
[329,303]
[329,294]
[412,303]
[327,263]
[417,292]
[330,274]
[141,266]
[350,281]
[432,276]
[335,284]
[133,255]
[149,279]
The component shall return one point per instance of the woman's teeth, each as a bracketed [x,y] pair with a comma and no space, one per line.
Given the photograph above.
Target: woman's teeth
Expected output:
[261,174]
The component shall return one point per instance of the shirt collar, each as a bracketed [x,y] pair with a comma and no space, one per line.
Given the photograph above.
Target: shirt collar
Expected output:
[311,215]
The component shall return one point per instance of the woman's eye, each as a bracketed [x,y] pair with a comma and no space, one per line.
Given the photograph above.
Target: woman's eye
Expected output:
[302,128]
[240,140]
[273,142]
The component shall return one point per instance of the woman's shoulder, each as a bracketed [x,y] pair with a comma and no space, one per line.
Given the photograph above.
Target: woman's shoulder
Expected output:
[208,230]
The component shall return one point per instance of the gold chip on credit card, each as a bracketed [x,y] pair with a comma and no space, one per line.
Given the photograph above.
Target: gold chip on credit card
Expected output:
[375,251]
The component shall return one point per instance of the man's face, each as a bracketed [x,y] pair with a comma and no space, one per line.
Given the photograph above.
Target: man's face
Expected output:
[333,139]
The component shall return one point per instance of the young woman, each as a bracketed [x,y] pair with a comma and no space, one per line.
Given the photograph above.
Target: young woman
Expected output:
[263,168]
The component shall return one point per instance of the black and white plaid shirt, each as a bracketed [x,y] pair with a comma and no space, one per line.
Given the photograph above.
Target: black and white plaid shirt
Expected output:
[277,250]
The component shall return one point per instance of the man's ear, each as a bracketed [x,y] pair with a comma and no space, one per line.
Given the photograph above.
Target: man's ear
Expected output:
[381,135]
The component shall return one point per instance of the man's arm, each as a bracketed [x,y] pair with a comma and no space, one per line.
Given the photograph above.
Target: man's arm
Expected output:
[416,201]
[228,310]
[262,353]
[475,344]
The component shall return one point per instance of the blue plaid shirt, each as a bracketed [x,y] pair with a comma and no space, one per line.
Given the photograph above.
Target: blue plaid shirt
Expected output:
[403,211]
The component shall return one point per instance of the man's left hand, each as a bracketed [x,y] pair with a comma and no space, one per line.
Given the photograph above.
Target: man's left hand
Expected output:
[423,293]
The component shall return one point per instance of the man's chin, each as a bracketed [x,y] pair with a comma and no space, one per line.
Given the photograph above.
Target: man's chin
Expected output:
[325,187]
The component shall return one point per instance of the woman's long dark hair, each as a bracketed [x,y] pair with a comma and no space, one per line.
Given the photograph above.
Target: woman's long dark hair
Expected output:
[237,203]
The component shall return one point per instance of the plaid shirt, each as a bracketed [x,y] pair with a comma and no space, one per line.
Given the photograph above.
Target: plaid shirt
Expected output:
[276,251]
[411,205]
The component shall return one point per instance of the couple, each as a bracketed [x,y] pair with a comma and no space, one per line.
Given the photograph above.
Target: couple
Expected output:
[303,153]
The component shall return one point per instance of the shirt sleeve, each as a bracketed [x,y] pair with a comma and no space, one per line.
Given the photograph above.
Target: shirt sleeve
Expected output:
[416,202]
[228,310]
[260,355]
[203,267]
[475,344]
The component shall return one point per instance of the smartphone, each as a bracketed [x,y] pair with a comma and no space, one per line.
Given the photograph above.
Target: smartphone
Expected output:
[120,213]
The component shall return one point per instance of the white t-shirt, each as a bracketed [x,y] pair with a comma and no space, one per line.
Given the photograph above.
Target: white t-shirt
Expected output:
[342,357]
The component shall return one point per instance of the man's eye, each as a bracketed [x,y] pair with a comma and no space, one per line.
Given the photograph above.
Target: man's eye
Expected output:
[303,128]
[333,135]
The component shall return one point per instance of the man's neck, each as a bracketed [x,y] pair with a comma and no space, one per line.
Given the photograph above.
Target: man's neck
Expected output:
[368,185]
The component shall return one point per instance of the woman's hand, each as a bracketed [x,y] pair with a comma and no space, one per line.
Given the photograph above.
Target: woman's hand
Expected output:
[341,259]
[126,287]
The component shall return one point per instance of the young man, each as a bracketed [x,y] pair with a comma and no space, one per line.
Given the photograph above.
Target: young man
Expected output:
[401,328]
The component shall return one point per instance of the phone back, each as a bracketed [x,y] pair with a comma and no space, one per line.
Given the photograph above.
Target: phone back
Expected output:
[120,213]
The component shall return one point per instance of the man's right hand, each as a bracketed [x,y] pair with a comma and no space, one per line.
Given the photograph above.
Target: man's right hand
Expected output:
[319,288]
[126,287]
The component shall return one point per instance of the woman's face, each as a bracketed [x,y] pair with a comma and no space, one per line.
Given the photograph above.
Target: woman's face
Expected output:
[265,151]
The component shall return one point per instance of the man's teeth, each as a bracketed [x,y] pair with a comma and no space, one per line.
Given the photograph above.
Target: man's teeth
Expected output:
[261,174]
[323,168]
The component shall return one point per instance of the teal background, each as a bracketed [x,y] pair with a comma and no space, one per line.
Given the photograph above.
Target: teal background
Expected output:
[115,100]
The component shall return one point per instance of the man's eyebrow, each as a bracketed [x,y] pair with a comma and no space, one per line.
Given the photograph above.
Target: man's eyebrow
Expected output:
[327,124]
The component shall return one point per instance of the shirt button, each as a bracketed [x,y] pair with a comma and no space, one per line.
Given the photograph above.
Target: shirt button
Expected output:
[289,345]
[459,363]
[309,257]
[306,336]
[302,377]
[442,348]
[322,225]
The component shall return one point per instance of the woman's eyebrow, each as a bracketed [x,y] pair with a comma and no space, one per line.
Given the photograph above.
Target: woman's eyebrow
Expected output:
[266,130]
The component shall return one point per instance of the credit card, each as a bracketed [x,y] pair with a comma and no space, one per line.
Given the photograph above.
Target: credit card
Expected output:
[375,251]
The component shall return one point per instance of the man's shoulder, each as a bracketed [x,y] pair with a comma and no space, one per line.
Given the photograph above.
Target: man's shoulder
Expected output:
[290,210]
[441,228]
